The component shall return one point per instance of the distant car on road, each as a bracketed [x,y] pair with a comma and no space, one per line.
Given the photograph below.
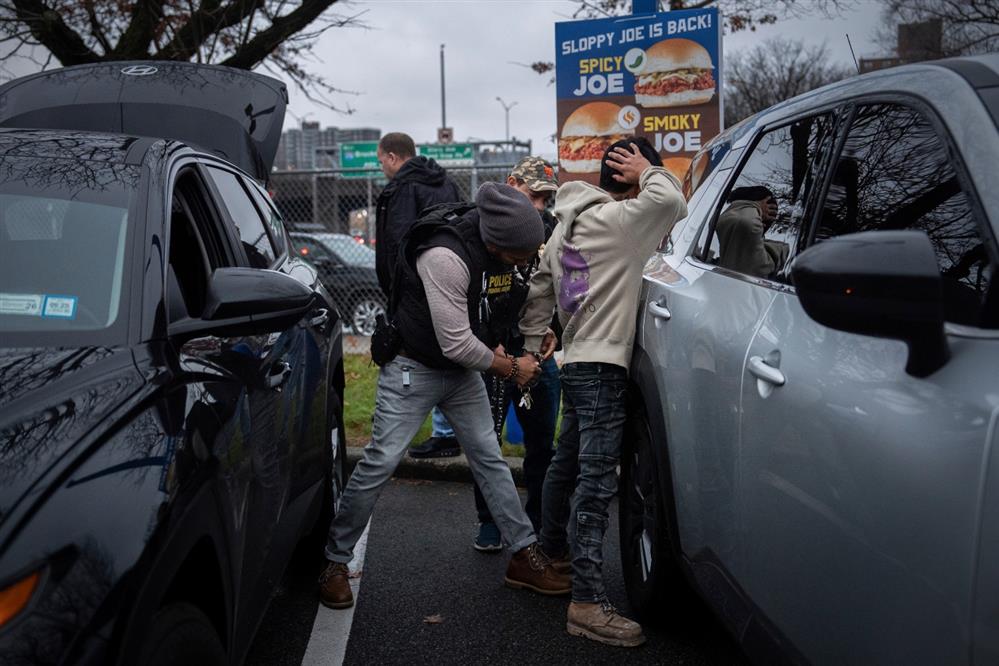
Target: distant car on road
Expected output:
[347,268]
[815,415]
[171,374]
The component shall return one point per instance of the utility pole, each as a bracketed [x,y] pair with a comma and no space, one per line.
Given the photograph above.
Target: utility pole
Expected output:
[443,104]
[506,108]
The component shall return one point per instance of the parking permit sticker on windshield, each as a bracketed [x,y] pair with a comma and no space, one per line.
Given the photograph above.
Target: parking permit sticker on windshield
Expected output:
[63,307]
[38,305]
[21,304]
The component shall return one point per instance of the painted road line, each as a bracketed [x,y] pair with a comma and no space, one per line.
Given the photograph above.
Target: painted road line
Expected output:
[328,643]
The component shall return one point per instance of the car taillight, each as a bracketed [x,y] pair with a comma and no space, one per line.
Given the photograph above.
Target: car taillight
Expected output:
[304,251]
[16,596]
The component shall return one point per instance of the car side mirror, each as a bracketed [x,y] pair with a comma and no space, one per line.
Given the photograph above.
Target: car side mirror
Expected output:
[880,283]
[248,301]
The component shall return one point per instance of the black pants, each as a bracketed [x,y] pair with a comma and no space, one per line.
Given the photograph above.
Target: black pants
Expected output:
[538,424]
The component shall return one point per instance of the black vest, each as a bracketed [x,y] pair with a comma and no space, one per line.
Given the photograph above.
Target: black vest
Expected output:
[412,315]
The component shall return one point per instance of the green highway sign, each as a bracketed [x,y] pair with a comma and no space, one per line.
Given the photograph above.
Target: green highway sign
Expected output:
[361,155]
[449,154]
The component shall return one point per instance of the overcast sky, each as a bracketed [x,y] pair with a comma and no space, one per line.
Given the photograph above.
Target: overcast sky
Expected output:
[395,64]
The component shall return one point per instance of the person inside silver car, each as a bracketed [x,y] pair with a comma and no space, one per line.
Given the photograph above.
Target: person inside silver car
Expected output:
[741,228]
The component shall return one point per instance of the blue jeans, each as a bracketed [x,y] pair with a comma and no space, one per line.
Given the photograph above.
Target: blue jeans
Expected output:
[538,423]
[574,514]
[405,393]
[441,427]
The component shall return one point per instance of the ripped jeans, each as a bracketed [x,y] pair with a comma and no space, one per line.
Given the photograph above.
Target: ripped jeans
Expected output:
[574,515]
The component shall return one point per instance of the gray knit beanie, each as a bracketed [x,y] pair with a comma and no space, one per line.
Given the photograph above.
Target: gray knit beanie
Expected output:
[507,219]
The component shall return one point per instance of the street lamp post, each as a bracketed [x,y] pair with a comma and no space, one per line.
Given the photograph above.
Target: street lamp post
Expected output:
[506,108]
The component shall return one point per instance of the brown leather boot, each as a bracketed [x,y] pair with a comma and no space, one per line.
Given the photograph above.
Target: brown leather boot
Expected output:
[561,564]
[602,623]
[334,586]
[529,568]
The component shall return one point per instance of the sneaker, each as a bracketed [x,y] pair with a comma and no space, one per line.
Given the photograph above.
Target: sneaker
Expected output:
[488,540]
[530,569]
[334,586]
[436,447]
[602,623]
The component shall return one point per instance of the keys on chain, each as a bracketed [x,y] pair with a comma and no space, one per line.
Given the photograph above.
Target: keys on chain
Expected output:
[525,397]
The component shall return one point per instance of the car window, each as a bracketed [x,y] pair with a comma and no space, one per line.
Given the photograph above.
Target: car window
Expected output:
[894,172]
[309,249]
[252,233]
[64,231]
[270,212]
[195,248]
[348,249]
[758,223]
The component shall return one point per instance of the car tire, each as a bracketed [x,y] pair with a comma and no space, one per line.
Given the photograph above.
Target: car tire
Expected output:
[364,309]
[181,633]
[651,571]
[335,478]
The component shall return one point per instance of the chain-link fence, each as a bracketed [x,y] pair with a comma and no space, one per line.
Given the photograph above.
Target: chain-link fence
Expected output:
[331,217]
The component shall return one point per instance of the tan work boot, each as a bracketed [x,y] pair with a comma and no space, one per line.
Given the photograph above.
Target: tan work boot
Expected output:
[562,565]
[601,623]
[334,586]
[529,568]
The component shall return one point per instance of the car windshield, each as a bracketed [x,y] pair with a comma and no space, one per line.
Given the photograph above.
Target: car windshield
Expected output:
[348,249]
[63,231]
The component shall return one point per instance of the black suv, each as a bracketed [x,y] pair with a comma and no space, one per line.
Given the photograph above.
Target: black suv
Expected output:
[347,268]
[171,377]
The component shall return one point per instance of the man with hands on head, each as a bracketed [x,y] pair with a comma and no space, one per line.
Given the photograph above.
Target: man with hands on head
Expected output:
[591,271]
[439,364]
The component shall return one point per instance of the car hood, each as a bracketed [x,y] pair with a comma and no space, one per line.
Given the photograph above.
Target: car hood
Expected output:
[50,400]
[233,113]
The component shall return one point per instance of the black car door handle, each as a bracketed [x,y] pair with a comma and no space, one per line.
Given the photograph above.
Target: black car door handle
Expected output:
[278,375]
[320,319]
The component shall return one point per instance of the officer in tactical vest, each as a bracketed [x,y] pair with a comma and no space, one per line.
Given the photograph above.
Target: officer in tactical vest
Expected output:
[438,318]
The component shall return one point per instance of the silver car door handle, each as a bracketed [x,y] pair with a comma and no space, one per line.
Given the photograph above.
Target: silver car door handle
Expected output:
[278,375]
[320,319]
[659,311]
[759,369]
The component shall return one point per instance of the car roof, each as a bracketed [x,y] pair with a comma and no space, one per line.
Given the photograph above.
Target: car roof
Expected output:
[978,71]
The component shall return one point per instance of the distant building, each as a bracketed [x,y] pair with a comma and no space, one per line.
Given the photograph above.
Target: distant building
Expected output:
[916,42]
[312,147]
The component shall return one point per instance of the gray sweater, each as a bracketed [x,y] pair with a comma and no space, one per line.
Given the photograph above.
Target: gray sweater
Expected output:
[446,281]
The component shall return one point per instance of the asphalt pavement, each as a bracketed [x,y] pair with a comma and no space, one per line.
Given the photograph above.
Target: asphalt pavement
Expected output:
[427,597]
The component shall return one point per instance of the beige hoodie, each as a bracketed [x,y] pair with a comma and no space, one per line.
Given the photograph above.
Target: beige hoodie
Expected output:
[591,268]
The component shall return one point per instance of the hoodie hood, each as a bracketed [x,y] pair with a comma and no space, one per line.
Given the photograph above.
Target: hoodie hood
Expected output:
[423,170]
[575,197]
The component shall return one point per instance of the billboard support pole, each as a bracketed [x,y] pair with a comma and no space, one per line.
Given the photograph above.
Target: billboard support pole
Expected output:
[443,105]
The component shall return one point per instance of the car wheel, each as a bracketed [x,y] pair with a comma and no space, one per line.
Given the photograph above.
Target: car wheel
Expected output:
[363,314]
[182,634]
[335,462]
[650,569]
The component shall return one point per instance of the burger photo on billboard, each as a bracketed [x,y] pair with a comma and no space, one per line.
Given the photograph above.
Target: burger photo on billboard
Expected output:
[586,135]
[678,166]
[677,72]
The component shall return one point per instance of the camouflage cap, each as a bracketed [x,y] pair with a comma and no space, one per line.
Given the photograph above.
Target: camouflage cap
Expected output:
[539,174]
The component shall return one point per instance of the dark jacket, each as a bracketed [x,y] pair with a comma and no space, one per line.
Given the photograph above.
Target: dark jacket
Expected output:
[420,183]
[412,315]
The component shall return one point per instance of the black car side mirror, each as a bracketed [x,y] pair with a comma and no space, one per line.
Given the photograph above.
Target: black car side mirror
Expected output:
[881,283]
[248,301]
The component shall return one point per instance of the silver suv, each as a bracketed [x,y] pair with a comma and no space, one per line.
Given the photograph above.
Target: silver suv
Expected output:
[816,394]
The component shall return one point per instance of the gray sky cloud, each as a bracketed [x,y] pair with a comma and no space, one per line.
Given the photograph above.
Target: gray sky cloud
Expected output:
[395,64]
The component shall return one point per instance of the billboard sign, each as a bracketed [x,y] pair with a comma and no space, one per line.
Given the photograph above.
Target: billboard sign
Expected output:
[655,75]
